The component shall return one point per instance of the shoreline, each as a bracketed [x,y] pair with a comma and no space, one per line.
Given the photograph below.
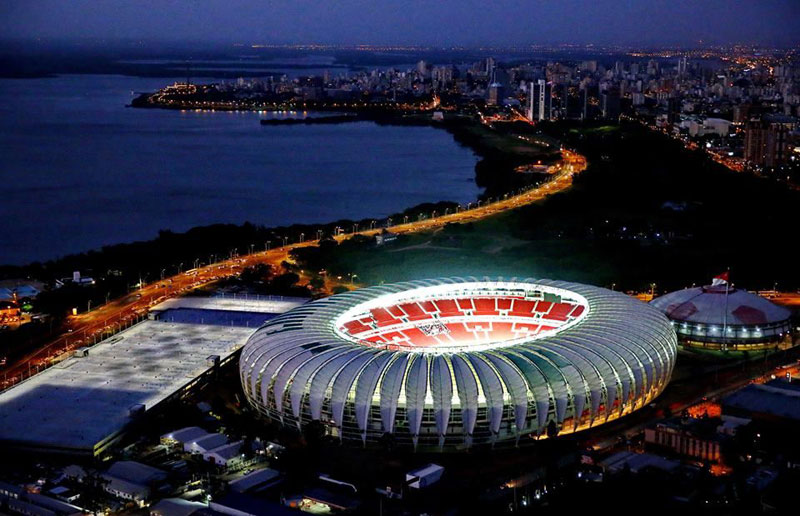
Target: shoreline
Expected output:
[491,162]
[136,303]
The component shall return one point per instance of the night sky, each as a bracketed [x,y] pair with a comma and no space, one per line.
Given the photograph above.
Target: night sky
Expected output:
[407,22]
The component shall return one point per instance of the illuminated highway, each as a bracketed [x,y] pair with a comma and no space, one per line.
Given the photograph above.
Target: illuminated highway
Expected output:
[88,328]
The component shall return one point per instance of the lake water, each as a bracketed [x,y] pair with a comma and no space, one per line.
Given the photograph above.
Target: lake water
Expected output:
[79,170]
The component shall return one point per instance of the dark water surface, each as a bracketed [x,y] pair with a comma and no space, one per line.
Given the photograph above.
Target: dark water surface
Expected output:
[79,170]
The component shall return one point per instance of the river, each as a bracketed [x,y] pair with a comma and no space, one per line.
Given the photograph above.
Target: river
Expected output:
[79,170]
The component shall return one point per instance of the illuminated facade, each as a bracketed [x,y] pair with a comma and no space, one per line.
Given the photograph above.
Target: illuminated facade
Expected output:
[450,363]
[717,317]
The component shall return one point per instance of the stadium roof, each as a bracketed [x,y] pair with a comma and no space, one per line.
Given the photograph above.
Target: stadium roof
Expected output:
[708,305]
[429,358]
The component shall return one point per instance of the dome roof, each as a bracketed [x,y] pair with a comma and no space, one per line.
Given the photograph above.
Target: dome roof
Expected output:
[707,305]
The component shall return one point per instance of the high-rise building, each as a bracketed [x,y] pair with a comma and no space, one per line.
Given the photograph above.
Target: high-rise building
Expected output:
[682,66]
[540,103]
[585,104]
[488,66]
[495,94]
[673,110]
[766,141]
[444,74]
[741,113]
[610,104]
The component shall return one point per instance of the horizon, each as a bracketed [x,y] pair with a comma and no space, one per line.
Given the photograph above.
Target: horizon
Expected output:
[412,24]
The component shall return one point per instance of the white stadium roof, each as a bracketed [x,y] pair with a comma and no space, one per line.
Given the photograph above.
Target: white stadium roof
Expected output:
[458,361]
[708,305]
[719,316]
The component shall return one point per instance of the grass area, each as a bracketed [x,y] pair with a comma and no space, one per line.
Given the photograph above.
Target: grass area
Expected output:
[645,211]
[595,130]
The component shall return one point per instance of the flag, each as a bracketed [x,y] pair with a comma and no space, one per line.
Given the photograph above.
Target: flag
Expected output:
[722,279]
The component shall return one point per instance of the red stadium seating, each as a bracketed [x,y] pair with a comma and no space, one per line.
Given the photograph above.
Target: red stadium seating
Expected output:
[414,311]
[429,307]
[465,304]
[559,312]
[459,332]
[485,306]
[484,328]
[355,327]
[502,331]
[447,308]
[522,308]
[396,311]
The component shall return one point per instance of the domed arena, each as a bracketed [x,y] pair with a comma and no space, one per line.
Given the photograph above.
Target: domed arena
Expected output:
[723,317]
[446,364]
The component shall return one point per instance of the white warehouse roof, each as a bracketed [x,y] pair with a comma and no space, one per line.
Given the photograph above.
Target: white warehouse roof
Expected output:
[81,404]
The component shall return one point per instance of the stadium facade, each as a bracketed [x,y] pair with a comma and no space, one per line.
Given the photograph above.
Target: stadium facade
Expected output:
[451,363]
[724,317]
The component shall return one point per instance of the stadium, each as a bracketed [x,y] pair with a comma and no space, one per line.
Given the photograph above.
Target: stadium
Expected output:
[723,317]
[459,362]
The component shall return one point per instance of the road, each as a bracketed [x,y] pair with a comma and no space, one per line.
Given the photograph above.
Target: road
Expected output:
[787,299]
[90,327]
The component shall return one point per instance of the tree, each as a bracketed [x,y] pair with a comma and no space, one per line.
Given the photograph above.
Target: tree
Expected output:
[93,492]
[552,429]
[317,283]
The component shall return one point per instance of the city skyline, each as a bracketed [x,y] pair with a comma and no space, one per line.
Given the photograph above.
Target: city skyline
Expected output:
[410,23]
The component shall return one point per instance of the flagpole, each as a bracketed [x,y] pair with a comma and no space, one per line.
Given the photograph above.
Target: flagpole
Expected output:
[725,314]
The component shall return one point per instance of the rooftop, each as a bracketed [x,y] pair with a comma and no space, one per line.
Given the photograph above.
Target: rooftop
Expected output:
[83,401]
[777,398]
[239,303]
[718,305]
